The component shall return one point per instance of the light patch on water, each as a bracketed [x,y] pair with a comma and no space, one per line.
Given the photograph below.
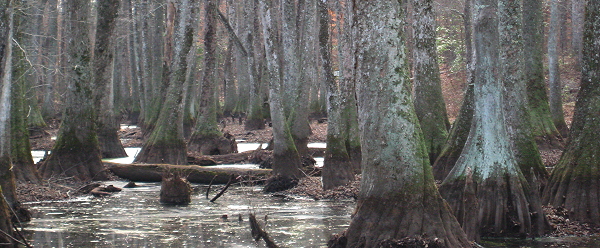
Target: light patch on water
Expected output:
[319,161]
[126,126]
[317,145]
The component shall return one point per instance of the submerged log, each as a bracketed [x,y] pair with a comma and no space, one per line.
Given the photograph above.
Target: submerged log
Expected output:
[193,173]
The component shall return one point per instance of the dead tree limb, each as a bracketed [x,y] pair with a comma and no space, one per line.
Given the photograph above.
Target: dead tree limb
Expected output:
[258,233]
[235,38]
[223,190]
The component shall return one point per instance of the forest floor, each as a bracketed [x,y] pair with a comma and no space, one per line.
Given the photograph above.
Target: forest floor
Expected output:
[59,189]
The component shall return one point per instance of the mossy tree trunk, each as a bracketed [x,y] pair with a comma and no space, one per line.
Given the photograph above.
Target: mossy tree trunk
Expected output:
[338,169]
[255,119]
[206,137]
[76,152]
[347,86]
[294,91]
[575,181]
[462,124]
[166,143]
[554,81]
[286,161]
[429,102]
[23,166]
[398,198]
[487,178]
[516,107]
[110,145]
[543,128]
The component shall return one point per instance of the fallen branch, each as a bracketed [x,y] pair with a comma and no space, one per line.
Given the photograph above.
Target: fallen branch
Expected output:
[258,233]
[210,185]
[223,191]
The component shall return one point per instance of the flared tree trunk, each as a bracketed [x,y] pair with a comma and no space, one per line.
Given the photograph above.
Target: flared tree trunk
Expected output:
[575,181]
[429,102]
[76,152]
[295,92]
[543,128]
[398,198]
[487,179]
[110,145]
[206,137]
[286,161]
[166,143]
[23,166]
[347,86]
[556,105]
[338,169]
[517,116]
[462,124]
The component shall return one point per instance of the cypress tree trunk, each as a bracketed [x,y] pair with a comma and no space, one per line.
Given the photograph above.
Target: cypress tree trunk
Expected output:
[398,198]
[294,91]
[338,169]
[207,138]
[575,180]
[166,143]
[543,128]
[286,161]
[23,166]
[577,20]
[76,152]
[255,119]
[556,108]
[347,87]
[429,102]
[517,116]
[487,179]
[110,145]
[462,124]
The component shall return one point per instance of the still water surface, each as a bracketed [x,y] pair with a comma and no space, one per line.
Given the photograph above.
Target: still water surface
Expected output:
[135,218]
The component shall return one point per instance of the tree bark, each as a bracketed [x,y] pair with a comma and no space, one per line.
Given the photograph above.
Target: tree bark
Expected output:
[338,169]
[207,138]
[462,124]
[575,179]
[429,102]
[23,166]
[76,152]
[487,178]
[516,107]
[110,145]
[286,161]
[556,105]
[166,143]
[398,198]
[544,130]
[577,20]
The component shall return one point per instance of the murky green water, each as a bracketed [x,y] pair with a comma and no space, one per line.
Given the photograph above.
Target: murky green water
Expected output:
[135,218]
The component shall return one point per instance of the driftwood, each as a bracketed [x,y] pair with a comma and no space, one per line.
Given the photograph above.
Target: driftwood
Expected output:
[193,173]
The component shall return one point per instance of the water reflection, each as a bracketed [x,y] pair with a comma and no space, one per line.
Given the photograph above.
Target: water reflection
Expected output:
[135,218]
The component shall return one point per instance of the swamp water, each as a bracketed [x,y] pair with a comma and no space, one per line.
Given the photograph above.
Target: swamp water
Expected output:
[134,217]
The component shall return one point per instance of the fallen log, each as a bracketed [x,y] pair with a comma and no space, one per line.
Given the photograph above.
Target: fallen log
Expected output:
[193,173]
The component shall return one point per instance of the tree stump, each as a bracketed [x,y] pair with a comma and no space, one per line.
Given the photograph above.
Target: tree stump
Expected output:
[175,190]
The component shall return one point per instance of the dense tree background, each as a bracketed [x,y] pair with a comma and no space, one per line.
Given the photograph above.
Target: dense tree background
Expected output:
[485,110]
